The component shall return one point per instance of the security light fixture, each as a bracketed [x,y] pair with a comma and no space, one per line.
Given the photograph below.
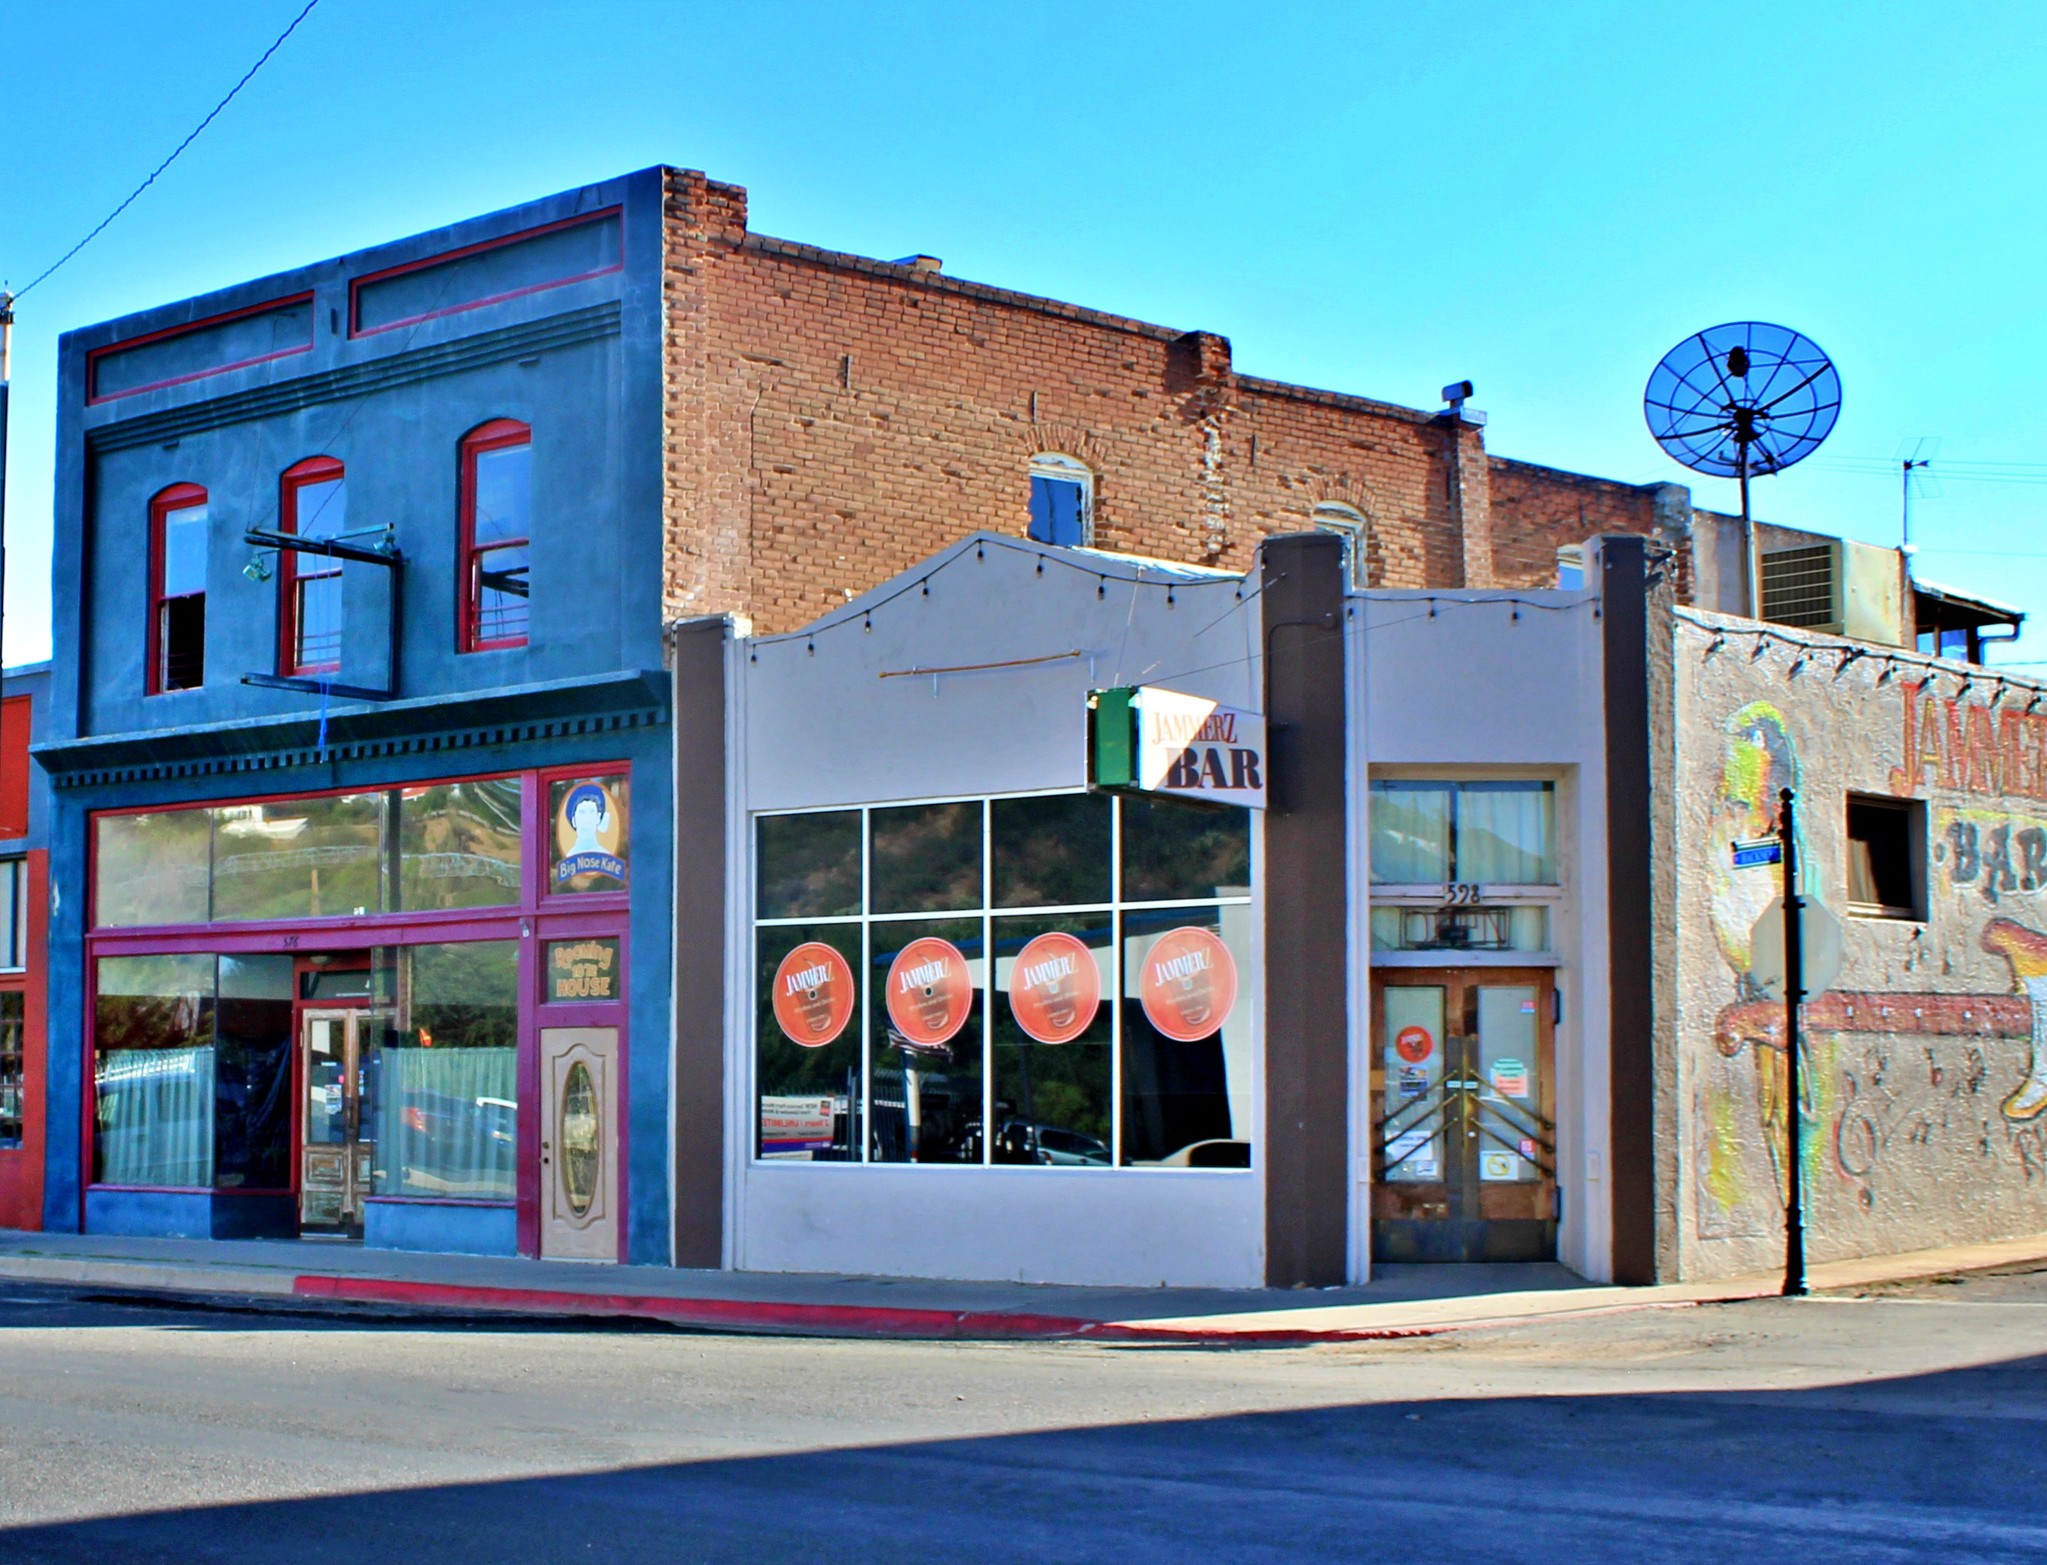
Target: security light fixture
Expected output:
[258,569]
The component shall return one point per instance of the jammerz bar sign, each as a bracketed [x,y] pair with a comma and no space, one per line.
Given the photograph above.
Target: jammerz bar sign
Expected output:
[1160,741]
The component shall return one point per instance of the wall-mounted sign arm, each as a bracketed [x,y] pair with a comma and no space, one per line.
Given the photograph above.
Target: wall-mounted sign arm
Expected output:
[370,598]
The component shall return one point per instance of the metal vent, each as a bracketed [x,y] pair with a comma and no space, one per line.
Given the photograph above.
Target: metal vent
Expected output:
[1800,587]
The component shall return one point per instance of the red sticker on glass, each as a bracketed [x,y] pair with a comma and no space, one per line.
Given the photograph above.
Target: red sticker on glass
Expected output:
[1055,988]
[813,994]
[1189,984]
[1413,1044]
[930,991]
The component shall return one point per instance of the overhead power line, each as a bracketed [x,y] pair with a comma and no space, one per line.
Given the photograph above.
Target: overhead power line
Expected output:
[214,113]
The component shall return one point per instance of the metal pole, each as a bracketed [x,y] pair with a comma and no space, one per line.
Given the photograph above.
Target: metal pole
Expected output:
[1748,539]
[1794,996]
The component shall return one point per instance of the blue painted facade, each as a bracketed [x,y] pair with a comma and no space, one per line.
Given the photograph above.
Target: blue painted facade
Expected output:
[382,362]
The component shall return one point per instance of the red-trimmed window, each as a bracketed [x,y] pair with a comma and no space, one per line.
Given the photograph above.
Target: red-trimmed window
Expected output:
[497,512]
[312,501]
[177,589]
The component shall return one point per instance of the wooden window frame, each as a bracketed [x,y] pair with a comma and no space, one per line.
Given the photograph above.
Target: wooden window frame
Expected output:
[178,497]
[500,434]
[300,475]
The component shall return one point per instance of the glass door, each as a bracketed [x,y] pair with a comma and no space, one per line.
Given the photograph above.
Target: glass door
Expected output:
[337,1148]
[1464,1155]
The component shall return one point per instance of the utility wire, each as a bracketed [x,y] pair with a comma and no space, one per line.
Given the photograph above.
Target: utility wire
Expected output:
[181,146]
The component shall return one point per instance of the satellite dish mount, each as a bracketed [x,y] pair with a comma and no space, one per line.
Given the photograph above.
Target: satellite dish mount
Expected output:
[1740,401]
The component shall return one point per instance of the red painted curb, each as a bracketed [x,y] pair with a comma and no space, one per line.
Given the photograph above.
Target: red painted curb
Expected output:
[729,1314]
[838,1320]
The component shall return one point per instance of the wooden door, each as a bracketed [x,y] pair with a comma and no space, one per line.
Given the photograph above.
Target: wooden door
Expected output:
[1463,1091]
[579,1108]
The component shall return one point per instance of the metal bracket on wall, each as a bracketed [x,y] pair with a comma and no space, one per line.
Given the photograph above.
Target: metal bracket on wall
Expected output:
[384,553]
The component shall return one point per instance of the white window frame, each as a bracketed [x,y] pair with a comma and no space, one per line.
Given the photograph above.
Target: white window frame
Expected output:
[1059,468]
[1348,523]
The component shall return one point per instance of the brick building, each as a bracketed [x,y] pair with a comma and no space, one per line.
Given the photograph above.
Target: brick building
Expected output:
[373,817]
[832,419]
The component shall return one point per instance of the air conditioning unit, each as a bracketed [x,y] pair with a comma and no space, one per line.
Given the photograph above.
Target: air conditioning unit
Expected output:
[1839,587]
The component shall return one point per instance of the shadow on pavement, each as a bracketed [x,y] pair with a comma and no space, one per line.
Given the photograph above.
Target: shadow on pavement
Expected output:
[1946,1466]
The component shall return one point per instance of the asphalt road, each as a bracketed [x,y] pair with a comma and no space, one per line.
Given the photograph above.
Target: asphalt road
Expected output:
[1910,1424]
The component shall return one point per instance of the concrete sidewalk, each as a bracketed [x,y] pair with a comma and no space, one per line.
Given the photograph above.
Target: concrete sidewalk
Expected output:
[1400,1301]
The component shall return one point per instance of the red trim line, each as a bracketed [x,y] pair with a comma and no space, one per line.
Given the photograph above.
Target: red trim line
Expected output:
[356,285]
[93,357]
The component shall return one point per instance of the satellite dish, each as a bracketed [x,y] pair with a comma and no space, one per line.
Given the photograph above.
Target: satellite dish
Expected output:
[1742,400]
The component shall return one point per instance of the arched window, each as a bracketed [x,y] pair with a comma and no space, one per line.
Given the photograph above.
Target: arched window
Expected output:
[1062,500]
[497,528]
[312,502]
[1332,516]
[177,589]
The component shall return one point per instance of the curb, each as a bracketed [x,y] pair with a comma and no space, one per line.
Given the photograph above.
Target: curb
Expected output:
[885,1322]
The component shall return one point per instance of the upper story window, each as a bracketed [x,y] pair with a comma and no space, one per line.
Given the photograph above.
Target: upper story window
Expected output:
[312,502]
[1062,500]
[177,589]
[1571,567]
[497,528]
[1348,523]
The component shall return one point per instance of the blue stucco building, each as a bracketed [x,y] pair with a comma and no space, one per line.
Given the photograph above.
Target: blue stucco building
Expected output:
[357,750]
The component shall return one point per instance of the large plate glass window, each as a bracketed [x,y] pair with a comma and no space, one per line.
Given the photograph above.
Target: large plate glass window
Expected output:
[1053,981]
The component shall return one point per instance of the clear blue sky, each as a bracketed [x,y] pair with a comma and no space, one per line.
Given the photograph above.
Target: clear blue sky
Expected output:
[1374,197]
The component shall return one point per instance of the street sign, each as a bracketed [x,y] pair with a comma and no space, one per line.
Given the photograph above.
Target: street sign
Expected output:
[1754,855]
[1822,948]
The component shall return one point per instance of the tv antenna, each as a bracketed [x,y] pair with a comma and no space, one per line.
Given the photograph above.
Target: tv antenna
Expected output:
[1740,401]
[1915,457]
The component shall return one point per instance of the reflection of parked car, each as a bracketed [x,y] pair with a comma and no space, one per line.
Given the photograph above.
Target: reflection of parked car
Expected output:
[1020,1141]
[1206,1154]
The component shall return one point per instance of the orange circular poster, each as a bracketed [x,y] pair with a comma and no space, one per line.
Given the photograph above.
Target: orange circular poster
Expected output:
[1413,1044]
[1055,988]
[1188,984]
[813,994]
[930,991]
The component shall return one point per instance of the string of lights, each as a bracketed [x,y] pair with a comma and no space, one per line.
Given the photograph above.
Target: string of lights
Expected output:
[1888,660]
[1171,584]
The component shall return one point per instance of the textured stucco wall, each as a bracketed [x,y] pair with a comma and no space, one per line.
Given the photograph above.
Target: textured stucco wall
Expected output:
[1925,1067]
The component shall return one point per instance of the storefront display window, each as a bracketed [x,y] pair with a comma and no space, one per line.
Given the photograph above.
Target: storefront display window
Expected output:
[441,847]
[809,1059]
[152,868]
[1464,833]
[809,865]
[12,1064]
[252,1073]
[299,858]
[458,844]
[443,1081]
[1078,1048]
[153,1059]
[925,1039]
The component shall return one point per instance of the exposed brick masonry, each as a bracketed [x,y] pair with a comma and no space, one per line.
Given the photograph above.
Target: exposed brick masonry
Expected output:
[831,420]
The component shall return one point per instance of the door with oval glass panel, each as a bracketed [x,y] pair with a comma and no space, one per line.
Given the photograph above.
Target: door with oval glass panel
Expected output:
[579,1143]
[1464,1150]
